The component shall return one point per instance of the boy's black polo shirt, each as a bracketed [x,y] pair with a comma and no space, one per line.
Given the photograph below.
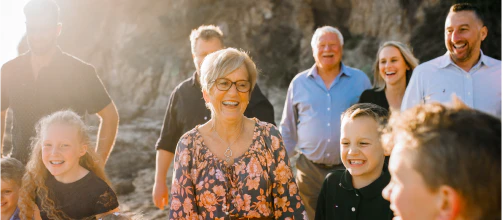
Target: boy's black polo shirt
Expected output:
[186,109]
[66,83]
[339,200]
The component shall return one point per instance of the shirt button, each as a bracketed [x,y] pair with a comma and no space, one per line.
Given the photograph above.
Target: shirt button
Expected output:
[328,109]
[327,94]
[357,194]
[329,140]
[353,209]
[327,154]
[329,124]
[469,93]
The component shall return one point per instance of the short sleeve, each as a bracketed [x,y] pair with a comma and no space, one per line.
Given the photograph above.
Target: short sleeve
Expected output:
[287,201]
[106,202]
[5,95]
[94,93]
[171,131]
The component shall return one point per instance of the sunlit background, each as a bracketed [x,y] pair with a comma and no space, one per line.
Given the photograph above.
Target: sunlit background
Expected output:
[12,28]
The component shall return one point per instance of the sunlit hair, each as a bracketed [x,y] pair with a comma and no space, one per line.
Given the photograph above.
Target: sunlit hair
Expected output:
[379,114]
[12,170]
[410,60]
[205,32]
[42,9]
[454,146]
[36,172]
[468,7]
[321,31]
[223,62]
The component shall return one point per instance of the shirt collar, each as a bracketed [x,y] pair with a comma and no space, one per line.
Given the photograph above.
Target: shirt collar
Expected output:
[343,70]
[446,60]
[370,191]
[194,80]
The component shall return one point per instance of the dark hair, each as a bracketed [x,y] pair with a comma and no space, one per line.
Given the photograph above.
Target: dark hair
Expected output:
[42,9]
[12,169]
[468,7]
[376,112]
[454,146]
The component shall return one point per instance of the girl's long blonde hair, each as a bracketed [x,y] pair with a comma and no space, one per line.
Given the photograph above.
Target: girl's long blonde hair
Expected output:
[36,173]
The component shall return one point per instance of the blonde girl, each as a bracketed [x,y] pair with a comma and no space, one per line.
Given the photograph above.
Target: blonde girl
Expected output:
[64,179]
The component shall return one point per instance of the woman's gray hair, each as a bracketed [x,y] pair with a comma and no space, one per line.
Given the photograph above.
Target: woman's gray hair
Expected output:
[223,62]
[410,60]
[321,31]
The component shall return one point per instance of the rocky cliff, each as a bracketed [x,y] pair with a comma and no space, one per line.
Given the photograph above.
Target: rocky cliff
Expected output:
[141,51]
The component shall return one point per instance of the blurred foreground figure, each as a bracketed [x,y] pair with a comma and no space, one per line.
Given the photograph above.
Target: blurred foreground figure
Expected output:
[45,80]
[445,163]
[464,70]
[311,118]
[186,108]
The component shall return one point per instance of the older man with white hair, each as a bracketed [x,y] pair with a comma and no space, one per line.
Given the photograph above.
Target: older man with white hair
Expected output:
[311,118]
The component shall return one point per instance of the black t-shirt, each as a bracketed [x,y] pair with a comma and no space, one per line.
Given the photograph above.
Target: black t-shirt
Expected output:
[375,97]
[186,109]
[66,83]
[84,198]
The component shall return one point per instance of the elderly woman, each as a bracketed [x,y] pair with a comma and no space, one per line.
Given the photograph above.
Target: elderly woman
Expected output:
[391,74]
[232,167]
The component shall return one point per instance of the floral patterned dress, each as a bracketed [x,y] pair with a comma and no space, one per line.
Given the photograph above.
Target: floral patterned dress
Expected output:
[258,184]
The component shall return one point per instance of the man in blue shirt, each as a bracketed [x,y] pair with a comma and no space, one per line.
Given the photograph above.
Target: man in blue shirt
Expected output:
[311,118]
[463,70]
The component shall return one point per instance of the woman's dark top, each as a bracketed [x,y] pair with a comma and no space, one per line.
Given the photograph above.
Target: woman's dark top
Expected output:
[375,97]
[84,198]
[340,200]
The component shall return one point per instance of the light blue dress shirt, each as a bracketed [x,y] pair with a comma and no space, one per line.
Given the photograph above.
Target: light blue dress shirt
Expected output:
[437,80]
[311,116]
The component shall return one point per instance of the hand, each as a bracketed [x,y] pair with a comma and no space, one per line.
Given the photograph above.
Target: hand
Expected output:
[160,195]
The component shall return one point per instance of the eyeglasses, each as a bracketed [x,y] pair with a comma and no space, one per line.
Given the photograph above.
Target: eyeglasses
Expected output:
[223,84]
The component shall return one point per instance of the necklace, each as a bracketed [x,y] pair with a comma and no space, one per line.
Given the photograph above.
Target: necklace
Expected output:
[228,152]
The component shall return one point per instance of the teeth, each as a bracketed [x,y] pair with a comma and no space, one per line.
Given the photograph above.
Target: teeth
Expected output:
[458,46]
[389,73]
[356,162]
[328,55]
[230,103]
[56,162]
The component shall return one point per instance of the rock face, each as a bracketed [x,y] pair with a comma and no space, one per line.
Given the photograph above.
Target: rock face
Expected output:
[141,51]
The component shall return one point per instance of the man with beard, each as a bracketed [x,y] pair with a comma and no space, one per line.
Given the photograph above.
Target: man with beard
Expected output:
[45,80]
[186,108]
[464,70]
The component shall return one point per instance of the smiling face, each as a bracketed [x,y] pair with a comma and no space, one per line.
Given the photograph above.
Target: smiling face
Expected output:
[230,104]
[10,194]
[392,66]
[328,51]
[463,35]
[407,192]
[61,151]
[361,151]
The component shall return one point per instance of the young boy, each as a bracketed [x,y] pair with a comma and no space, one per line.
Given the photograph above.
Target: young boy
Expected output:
[12,172]
[445,163]
[356,193]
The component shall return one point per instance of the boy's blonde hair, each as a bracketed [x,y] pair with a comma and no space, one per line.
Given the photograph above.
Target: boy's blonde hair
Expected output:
[454,146]
[376,112]
[12,170]
[36,172]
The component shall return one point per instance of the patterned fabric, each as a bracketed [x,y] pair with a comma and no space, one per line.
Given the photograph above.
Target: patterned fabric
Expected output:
[258,184]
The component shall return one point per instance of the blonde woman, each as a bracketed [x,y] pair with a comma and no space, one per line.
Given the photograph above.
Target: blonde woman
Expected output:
[232,167]
[391,73]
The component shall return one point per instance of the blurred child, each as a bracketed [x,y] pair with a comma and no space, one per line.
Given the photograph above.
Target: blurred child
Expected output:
[12,173]
[445,163]
[356,193]
[63,177]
